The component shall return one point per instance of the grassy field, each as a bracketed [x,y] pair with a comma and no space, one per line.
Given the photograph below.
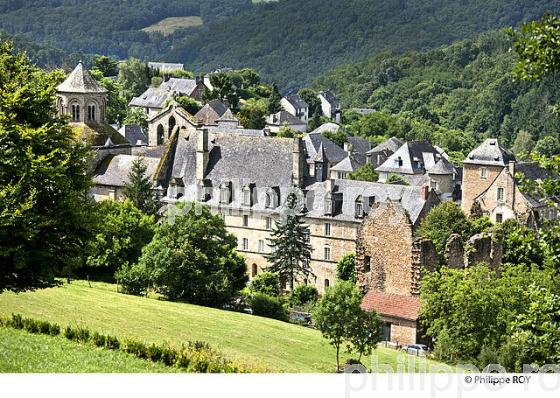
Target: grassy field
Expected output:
[275,345]
[22,352]
[169,25]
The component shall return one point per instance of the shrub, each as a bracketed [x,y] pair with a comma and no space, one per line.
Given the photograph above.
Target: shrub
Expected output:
[154,353]
[269,307]
[135,348]
[16,322]
[266,283]
[70,333]
[54,329]
[304,294]
[82,335]
[31,325]
[112,343]
[134,279]
[99,340]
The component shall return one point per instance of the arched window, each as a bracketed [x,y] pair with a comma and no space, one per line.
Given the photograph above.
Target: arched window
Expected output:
[328,204]
[160,134]
[172,124]
[91,112]
[359,207]
[225,193]
[327,284]
[254,270]
[75,113]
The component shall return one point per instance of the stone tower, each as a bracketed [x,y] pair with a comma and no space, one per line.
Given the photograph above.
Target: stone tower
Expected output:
[480,169]
[82,98]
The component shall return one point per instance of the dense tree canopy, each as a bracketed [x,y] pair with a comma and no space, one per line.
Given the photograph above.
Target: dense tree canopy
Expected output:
[44,213]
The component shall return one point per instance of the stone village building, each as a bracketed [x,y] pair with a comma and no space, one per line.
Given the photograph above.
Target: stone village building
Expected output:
[245,176]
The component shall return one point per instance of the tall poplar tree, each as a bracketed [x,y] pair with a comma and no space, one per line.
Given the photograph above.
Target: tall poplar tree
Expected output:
[291,250]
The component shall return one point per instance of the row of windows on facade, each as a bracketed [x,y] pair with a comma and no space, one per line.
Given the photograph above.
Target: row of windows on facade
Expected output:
[359,205]
[255,271]
[261,248]
[91,113]
[328,226]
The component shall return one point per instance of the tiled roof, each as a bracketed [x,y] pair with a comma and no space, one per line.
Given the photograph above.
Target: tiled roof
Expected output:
[228,116]
[393,305]
[392,145]
[358,144]
[133,134]
[179,86]
[332,127]
[442,167]
[329,96]
[153,97]
[490,153]
[313,142]
[80,81]
[416,157]
[282,117]
[211,112]
[165,66]
[349,164]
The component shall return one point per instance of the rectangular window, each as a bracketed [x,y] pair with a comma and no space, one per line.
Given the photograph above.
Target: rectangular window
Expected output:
[245,221]
[112,194]
[500,193]
[434,185]
[499,218]
[367,263]
[359,210]
[269,223]
[327,229]
[327,253]
[483,173]
[261,246]
[245,244]
[247,197]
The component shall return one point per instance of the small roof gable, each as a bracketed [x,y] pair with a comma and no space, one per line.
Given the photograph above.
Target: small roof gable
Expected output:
[333,152]
[414,157]
[321,155]
[332,127]
[133,134]
[442,167]
[228,116]
[283,117]
[347,165]
[392,145]
[80,81]
[490,153]
[329,97]
[296,101]
[211,112]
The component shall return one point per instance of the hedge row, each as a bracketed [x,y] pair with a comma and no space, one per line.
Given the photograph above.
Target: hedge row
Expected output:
[194,356]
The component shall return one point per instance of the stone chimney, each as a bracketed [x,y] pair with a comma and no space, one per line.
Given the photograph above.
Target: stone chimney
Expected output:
[511,166]
[348,147]
[201,153]
[297,162]
[425,192]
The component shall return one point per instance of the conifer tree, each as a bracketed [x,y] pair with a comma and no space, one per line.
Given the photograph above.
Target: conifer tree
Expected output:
[291,250]
[274,105]
[139,189]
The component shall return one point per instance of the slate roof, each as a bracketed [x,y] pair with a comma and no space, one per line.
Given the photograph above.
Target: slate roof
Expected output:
[237,131]
[532,171]
[392,145]
[114,169]
[333,127]
[134,134]
[347,165]
[283,117]
[80,81]
[211,112]
[313,142]
[153,97]
[416,156]
[363,111]
[165,66]
[228,116]
[442,167]
[490,153]
[296,101]
[329,96]
[392,305]
[358,144]
[409,197]
[179,86]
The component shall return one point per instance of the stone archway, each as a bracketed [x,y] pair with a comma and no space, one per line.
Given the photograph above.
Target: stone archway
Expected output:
[160,134]
[172,122]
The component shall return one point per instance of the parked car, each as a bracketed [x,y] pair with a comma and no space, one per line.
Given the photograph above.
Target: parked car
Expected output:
[416,349]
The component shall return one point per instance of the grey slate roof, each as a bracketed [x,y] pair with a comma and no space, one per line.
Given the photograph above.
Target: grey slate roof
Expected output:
[313,142]
[80,81]
[283,117]
[358,144]
[153,97]
[392,145]
[333,127]
[165,66]
[348,164]
[297,101]
[114,169]
[179,86]
[211,112]
[228,116]
[532,171]
[237,131]
[329,96]
[416,156]
[410,197]
[442,167]
[490,153]
[134,134]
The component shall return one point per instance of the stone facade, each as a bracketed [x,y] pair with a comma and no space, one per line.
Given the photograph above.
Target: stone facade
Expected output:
[476,180]
[455,252]
[160,126]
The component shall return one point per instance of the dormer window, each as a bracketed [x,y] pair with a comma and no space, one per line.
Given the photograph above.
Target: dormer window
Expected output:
[399,162]
[359,207]
[271,200]
[247,196]
[328,204]
[225,193]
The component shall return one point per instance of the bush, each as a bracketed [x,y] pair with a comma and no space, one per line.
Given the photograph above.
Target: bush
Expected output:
[99,340]
[304,294]
[54,329]
[16,322]
[269,307]
[112,343]
[78,334]
[266,283]
[135,348]
[134,279]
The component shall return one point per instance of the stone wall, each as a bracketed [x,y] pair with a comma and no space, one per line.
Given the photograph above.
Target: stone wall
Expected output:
[455,252]
[473,184]
[482,248]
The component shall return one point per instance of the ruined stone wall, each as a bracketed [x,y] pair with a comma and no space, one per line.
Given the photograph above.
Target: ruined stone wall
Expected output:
[455,252]
[385,237]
